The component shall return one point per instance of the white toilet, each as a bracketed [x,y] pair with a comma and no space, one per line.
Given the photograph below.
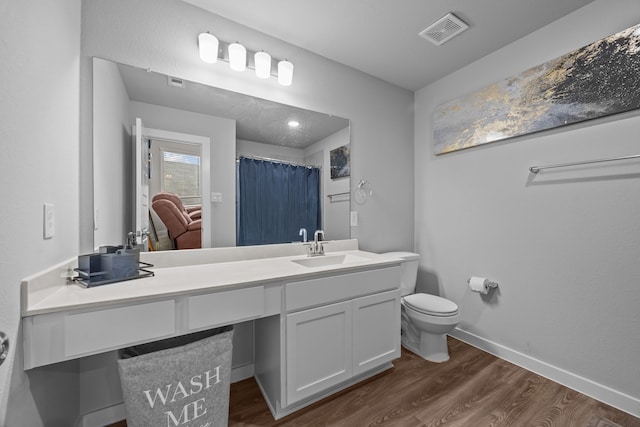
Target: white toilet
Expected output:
[426,319]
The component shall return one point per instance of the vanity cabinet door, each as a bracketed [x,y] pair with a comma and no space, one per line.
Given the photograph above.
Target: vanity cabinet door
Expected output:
[318,350]
[376,330]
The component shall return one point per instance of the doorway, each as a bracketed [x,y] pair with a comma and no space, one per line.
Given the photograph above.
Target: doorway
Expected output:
[180,164]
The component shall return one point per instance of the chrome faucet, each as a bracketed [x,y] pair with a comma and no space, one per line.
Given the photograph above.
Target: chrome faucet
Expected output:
[303,233]
[317,246]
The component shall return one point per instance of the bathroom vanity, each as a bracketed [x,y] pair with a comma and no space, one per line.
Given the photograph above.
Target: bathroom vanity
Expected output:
[321,323]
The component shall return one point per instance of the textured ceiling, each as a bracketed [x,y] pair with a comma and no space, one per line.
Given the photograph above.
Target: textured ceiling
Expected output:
[257,120]
[380,37]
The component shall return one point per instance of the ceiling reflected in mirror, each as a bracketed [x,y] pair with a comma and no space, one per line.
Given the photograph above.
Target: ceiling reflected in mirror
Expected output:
[256,119]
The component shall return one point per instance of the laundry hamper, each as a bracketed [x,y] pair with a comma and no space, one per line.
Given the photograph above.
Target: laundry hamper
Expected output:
[181,381]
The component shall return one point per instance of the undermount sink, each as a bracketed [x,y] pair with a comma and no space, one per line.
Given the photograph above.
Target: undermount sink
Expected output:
[327,260]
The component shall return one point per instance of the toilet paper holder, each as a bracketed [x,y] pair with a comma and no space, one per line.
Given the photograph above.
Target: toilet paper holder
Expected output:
[490,285]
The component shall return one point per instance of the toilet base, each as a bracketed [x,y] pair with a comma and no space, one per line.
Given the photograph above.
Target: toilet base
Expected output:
[432,347]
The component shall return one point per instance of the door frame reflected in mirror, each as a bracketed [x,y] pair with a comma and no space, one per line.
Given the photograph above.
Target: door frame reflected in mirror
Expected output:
[204,143]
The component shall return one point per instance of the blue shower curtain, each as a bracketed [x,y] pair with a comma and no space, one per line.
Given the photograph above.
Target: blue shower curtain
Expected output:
[275,200]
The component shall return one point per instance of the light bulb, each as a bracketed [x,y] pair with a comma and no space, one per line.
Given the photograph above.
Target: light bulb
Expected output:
[285,73]
[208,46]
[237,57]
[263,64]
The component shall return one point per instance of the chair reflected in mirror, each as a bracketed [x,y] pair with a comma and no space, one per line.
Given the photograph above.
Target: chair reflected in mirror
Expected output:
[194,212]
[174,225]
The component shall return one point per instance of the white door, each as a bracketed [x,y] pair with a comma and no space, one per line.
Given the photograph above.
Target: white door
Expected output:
[319,350]
[376,330]
[141,196]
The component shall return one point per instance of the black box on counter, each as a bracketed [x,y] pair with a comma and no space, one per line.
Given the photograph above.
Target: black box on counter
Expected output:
[111,264]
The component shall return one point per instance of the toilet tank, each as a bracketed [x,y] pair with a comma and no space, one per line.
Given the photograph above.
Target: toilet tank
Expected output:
[408,269]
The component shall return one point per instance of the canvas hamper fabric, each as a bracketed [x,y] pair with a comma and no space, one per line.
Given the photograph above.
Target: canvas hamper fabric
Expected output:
[181,381]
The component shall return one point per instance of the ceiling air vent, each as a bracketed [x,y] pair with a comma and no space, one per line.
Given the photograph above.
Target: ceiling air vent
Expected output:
[444,29]
[175,81]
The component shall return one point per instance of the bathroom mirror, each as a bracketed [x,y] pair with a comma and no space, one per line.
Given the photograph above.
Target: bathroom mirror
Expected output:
[180,115]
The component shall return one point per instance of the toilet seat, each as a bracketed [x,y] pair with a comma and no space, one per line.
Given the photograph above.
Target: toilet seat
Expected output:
[431,305]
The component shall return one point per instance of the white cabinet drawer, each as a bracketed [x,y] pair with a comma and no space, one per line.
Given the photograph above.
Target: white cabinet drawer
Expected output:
[325,290]
[102,330]
[223,308]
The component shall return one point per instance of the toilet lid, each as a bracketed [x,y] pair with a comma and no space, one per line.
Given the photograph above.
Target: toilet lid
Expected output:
[431,304]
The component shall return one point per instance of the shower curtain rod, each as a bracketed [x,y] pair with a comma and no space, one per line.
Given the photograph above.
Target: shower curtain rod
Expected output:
[285,162]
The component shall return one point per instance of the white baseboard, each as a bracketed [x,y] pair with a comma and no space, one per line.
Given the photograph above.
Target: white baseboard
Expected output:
[607,395]
[113,414]
[105,416]
[242,372]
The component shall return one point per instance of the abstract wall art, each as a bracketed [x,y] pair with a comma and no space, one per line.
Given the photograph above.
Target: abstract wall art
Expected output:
[597,80]
[340,162]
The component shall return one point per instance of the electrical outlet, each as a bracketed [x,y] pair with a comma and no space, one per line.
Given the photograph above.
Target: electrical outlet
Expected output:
[354,218]
[49,221]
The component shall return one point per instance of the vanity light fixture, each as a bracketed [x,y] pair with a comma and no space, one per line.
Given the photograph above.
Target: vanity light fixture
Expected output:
[285,73]
[239,59]
[263,64]
[208,46]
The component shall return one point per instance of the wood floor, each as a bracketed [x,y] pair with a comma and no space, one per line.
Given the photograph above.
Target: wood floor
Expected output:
[473,389]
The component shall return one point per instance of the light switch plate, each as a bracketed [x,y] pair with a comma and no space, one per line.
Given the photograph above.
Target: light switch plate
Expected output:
[216,197]
[49,221]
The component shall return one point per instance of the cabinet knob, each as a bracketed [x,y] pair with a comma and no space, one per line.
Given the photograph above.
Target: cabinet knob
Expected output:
[4,347]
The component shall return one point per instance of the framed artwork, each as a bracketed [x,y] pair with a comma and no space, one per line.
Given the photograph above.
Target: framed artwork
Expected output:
[339,161]
[597,80]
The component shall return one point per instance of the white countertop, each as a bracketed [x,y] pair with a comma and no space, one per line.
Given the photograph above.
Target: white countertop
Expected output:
[39,298]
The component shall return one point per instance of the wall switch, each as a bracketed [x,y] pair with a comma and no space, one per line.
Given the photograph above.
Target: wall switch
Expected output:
[49,221]
[354,218]
[216,197]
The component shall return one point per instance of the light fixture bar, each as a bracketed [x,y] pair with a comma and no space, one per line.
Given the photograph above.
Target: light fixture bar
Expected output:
[274,66]
[251,63]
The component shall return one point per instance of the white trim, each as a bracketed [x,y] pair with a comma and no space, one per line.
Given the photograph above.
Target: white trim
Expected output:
[104,416]
[242,372]
[600,392]
[205,171]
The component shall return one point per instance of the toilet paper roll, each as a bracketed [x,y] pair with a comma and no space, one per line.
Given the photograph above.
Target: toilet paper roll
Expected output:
[479,284]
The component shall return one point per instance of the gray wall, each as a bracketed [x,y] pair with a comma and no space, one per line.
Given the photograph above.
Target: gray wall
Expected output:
[563,245]
[335,210]
[39,104]
[112,183]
